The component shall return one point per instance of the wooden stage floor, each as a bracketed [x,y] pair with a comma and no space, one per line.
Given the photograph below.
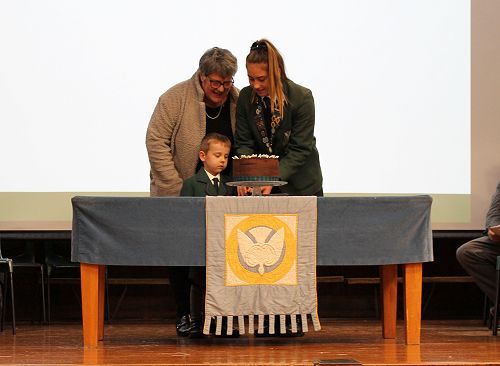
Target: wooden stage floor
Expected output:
[457,342]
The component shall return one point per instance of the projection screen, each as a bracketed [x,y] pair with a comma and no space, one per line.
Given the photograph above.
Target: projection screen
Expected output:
[391,81]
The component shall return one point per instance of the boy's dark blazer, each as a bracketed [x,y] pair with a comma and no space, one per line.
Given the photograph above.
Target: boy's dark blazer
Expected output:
[199,185]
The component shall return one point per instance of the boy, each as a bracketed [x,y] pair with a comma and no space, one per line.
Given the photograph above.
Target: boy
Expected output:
[208,181]
[214,154]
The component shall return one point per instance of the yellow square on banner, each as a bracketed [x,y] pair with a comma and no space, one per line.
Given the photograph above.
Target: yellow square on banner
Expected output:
[261,249]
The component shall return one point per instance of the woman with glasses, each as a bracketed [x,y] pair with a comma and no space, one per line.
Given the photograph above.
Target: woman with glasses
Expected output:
[184,114]
[275,116]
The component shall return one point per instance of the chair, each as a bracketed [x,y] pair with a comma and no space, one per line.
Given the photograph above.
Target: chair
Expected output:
[58,262]
[494,325]
[8,270]
[24,260]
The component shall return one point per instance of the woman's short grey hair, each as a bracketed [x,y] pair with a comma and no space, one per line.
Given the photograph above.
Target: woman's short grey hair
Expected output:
[218,61]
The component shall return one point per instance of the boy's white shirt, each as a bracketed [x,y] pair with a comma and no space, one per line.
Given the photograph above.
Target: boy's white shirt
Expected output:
[211,177]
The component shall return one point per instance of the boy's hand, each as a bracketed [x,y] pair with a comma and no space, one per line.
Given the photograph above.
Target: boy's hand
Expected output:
[248,191]
[244,191]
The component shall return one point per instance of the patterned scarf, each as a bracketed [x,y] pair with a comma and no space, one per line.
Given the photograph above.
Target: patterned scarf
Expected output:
[261,123]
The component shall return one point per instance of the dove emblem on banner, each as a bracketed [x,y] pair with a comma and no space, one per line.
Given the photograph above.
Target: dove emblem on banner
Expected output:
[261,249]
[266,250]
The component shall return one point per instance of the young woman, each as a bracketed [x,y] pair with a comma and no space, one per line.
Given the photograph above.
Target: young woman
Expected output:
[275,116]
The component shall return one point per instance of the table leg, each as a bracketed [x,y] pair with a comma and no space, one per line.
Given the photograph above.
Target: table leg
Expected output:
[389,283]
[92,287]
[413,301]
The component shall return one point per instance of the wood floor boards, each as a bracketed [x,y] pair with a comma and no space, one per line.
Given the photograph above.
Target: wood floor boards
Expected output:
[443,343]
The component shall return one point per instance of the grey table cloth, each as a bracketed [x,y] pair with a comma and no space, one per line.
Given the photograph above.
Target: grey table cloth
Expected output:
[170,231]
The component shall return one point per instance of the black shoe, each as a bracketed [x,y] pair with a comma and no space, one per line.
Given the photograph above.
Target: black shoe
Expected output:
[196,330]
[182,326]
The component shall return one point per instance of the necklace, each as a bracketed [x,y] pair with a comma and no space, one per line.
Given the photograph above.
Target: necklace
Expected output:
[218,114]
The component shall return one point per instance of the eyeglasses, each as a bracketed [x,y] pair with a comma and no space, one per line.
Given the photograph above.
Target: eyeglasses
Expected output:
[216,84]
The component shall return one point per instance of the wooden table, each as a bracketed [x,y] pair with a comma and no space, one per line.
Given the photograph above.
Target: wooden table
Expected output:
[119,231]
